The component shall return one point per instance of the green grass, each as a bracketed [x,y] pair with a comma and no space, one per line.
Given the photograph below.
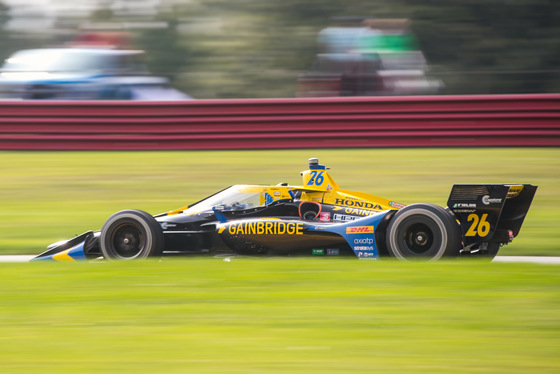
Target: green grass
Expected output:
[49,196]
[292,315]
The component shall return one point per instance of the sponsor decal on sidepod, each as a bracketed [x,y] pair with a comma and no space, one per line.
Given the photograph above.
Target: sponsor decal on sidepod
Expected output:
[359,230]
[266,228]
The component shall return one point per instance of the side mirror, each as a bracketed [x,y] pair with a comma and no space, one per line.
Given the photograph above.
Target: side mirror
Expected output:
[218,213]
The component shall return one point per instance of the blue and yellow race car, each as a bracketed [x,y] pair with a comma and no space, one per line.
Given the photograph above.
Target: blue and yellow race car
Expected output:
[318,218]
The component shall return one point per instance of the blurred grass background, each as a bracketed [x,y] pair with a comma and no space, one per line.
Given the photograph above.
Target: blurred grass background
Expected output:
[304,315]
[50,196]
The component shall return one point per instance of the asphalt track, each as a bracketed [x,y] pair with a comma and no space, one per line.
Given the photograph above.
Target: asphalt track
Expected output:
[548,260]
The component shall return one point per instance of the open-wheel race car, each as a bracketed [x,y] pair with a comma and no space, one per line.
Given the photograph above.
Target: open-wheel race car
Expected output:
[318,218]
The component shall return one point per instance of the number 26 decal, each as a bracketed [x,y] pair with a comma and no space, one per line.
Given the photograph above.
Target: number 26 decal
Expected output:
[316,178]
[480,225]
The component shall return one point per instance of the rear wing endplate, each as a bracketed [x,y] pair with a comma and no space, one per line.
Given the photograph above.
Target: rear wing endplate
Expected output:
[490,213]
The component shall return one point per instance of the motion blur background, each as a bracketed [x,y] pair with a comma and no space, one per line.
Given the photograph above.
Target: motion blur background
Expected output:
[261,49]
[257,315]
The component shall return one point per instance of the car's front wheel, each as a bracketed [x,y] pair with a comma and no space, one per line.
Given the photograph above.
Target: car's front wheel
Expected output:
[131,234]
[423,231]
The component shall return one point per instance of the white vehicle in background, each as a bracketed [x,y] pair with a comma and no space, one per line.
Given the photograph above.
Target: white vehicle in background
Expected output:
[82,74]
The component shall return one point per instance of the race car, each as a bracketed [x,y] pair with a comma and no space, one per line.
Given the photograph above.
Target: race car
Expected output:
[318,219]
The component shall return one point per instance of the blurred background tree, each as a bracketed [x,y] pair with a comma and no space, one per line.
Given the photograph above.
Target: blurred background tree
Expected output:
[251,48]
[4,18]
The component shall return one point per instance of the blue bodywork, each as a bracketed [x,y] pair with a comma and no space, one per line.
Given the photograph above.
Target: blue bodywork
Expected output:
[67,250]
[359,234]
[75,253]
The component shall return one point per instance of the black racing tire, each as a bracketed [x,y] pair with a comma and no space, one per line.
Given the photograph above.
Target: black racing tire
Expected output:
[423,232]
[131,234]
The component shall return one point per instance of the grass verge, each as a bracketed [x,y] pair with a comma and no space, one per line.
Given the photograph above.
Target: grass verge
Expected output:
[293,315]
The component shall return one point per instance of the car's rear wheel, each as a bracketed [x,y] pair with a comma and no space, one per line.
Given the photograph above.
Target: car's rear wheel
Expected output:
[131,234]
[423,231]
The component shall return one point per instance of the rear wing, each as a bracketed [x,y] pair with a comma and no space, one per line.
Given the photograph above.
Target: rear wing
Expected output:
[490,213]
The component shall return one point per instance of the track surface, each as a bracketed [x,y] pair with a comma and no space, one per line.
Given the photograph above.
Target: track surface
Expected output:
[532,259]
[529,259]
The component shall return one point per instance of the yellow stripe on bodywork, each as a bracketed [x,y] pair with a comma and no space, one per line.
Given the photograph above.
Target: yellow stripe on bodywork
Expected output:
[177,211]
[63,256]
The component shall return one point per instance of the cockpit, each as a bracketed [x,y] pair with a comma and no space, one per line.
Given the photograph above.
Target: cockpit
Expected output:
[242,197]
